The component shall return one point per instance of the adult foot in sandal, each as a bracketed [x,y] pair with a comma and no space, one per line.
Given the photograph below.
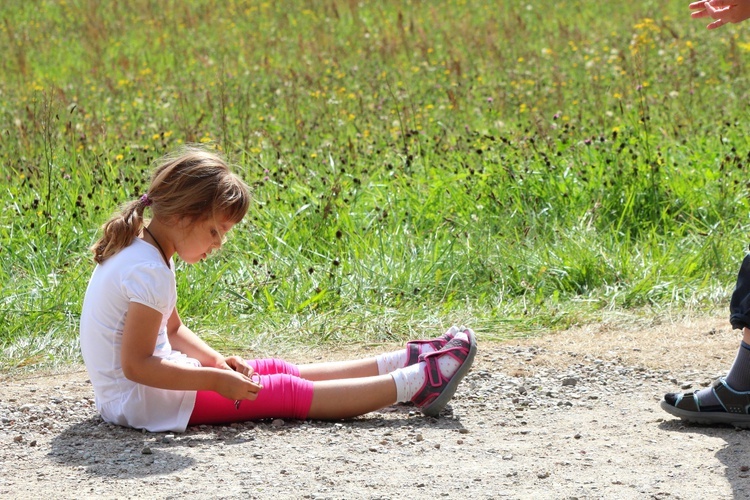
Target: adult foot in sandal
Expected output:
[733,407]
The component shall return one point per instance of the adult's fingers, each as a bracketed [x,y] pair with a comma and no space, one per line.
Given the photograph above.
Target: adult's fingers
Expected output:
[721,4]
[716,24]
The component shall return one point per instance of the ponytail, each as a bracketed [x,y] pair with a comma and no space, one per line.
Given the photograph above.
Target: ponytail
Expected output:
[119,231]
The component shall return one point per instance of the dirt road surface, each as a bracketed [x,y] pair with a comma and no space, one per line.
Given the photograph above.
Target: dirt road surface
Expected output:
[573,414]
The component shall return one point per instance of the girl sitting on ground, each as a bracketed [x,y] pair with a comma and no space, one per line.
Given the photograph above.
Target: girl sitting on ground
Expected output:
[150,371]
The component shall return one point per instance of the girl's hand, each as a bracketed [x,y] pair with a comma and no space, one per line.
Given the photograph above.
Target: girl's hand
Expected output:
[237,364]
[237,386]
[240,385]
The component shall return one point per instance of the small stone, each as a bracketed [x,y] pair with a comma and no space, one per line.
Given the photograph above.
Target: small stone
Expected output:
[146,451]
[419,437]
[277,422]
[569,381]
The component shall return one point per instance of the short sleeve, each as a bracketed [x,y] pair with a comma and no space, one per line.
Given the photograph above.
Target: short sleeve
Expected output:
[152,285]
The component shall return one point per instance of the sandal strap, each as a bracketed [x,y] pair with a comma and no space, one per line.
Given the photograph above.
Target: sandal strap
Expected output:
[731,400]
[414,347]
[688,402]
[412,352]
[457,349]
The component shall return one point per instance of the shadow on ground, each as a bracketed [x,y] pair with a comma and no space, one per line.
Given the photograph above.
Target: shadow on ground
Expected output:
[112,451]
[734,454]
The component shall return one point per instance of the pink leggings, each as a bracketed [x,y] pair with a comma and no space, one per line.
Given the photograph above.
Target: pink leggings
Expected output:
[284,395]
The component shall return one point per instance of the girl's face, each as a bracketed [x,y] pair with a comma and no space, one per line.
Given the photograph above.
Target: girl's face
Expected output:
[201,238]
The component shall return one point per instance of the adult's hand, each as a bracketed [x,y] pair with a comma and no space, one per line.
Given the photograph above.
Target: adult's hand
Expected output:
[721,11]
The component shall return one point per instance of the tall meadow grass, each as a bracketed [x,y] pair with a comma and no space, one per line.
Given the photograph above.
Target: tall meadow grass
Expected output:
[518,167]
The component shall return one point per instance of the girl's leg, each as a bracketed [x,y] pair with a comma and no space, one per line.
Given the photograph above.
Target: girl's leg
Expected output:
[282,396]
[271,366]
[429,384]
[347,398]
[285,396]
[378,365]
[336,370]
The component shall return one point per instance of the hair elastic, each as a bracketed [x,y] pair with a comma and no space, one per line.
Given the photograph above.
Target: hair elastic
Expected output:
[146,201]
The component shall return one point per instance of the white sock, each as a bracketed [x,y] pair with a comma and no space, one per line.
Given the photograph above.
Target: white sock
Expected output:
[410,379]
[391,361]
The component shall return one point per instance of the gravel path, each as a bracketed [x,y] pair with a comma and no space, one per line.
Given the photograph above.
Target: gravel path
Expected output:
[569,415]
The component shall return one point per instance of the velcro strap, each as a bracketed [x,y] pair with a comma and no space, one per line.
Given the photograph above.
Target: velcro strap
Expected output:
[732,401]
[412,351]
[433,372]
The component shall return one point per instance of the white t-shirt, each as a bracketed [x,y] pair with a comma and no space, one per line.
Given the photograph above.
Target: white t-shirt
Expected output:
[135,274]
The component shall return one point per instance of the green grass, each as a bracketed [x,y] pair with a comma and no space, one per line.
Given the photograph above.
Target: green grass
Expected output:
[518,167]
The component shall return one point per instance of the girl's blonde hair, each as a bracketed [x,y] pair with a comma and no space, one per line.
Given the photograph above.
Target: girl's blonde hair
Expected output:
[192,183]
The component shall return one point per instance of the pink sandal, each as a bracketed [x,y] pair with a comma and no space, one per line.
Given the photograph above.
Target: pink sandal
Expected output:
[414,347]
[438,389]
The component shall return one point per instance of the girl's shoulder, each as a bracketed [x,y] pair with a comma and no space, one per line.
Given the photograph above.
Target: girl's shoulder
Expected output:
[138,258]
[135,273]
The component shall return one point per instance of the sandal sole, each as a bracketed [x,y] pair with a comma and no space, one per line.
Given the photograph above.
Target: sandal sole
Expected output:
[708,418]
[433,409]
